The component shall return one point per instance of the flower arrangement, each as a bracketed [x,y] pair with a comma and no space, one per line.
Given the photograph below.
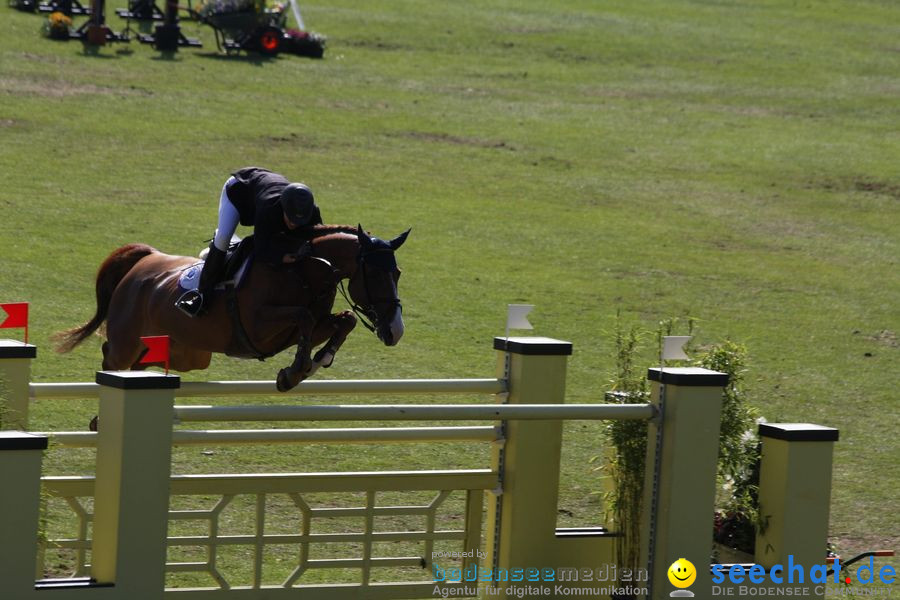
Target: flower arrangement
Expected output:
[225,7]
[58,26]
[305,43]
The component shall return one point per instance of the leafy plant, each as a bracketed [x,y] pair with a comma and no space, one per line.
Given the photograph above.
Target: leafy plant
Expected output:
[738,461]
[739,451]
[627,441]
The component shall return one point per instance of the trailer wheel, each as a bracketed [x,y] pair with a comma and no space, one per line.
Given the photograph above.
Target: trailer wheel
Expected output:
[270,41]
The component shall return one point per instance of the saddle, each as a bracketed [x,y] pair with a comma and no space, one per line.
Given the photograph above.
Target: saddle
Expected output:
[237,263]
[236,257]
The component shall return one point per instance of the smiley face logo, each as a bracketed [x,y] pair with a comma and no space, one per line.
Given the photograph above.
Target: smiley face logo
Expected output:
[682,573]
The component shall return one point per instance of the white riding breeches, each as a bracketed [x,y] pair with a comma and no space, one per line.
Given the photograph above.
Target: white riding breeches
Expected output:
[228,218]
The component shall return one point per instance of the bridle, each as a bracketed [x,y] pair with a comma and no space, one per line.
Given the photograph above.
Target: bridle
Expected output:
[368,316]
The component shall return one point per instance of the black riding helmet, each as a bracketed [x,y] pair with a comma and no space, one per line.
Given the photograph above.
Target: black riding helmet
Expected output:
[298,204]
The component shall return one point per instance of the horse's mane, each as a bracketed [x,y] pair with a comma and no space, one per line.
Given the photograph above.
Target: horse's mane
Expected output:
[320,231]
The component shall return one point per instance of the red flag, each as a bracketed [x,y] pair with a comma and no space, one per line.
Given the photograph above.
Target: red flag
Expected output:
[157,350]
[17,316]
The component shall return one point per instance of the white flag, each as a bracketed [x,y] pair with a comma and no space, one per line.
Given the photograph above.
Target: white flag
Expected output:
[296,10]
[673,347]
[517,317]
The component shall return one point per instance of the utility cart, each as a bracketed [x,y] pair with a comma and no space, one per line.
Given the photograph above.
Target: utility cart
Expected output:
[250,25]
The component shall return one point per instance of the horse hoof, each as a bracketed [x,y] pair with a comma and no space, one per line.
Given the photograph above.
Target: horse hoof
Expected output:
[94,425]
[282,382]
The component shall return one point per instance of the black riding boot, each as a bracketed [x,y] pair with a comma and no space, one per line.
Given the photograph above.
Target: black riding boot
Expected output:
[191,303]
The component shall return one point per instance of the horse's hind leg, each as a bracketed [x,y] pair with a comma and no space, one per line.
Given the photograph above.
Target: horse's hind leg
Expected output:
[180,358]
[121,354]
[188,359]
[117,356]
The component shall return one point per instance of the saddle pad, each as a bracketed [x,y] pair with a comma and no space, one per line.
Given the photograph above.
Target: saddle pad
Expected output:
[190,277]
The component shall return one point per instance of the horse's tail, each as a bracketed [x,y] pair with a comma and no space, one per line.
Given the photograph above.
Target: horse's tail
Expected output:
[111,272]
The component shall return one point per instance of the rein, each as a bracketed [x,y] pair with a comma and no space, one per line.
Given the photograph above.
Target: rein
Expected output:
[360,312]
[240,332]
[356,308]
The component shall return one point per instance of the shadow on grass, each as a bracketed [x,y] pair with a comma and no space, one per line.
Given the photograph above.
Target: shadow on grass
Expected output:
[249,58]
[166,55]
[96,52]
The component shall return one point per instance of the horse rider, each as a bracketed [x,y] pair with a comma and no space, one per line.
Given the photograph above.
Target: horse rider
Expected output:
[279,212]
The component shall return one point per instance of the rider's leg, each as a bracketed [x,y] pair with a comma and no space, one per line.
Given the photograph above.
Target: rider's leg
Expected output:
[212,272]
[228,218]
[214,267]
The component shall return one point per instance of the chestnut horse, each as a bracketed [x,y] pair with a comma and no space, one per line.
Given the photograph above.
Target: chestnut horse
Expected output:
[278,307]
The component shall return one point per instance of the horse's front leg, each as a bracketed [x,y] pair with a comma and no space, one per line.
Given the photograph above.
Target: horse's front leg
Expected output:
[300,369]
[335,329]
[283,326]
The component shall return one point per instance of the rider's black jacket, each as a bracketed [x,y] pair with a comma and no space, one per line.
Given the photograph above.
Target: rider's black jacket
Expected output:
[256,194]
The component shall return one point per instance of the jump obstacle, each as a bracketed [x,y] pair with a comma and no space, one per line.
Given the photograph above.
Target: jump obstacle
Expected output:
[131,491]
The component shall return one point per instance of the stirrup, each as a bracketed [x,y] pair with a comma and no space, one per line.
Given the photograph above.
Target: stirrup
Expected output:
[190,303]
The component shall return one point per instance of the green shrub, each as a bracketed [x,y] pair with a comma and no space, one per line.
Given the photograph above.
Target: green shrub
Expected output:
[738,460]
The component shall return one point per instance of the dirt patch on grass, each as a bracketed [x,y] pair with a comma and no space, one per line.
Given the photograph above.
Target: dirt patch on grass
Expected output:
[848,545]
[552,162]
[565,55]
[43,58]
[446,138]
[374,44]
[885,338]
[528,29]
[859,184]
[56,88]
[620,94]
[293,139]
[878,187]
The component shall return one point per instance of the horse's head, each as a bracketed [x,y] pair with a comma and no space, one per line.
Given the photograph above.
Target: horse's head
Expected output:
[373,286]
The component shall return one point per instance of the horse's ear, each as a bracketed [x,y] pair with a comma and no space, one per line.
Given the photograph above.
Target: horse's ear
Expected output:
[398,241]
[364,240]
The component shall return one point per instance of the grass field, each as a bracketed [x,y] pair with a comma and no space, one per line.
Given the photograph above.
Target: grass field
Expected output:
[736,162]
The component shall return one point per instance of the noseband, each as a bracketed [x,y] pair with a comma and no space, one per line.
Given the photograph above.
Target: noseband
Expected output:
[367,316]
